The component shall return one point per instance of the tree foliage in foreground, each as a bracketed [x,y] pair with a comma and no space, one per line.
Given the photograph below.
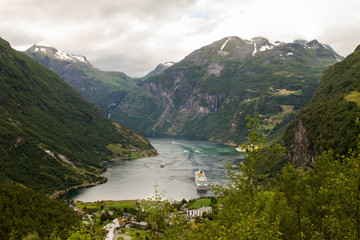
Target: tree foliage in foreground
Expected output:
[316,203]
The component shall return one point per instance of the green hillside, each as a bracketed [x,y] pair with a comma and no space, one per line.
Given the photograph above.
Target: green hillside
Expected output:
[329,121]
[50,137]
[24,211]
[103,88]
[211,91]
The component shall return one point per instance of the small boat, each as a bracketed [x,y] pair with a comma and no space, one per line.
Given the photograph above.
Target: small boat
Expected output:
[200,181]
[163,163]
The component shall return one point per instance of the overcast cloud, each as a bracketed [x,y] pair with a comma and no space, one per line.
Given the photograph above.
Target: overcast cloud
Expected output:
[133,36]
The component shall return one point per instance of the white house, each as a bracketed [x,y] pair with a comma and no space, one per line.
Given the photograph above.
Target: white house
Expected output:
[111,228]
[198,212]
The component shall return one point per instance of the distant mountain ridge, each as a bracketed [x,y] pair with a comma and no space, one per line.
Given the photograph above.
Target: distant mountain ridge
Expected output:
[210,92]
[105,89]
[51,139]
[159,69]
[53,52]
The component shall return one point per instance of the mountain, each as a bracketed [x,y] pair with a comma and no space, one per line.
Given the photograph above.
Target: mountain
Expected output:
[159,69]
[51,139]
[329,120]
[102,88]
[211,91]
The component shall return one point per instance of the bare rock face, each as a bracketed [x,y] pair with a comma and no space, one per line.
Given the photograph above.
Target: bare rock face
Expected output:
[302,153]
[211,91]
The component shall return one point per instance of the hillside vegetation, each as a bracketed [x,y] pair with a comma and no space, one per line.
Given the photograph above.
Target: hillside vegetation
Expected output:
[210,92]
[329,120]
[313,203]
[105,89]
[25,212]
[50,137]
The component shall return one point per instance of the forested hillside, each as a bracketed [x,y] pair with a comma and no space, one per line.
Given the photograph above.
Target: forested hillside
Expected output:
[329,121]
[50,137]
[25,212]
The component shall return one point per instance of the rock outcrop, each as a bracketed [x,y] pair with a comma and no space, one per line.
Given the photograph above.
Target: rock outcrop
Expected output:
[212,90]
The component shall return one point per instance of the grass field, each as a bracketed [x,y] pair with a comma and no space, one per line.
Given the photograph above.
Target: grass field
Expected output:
[108,204]
[353,96]
[202,202]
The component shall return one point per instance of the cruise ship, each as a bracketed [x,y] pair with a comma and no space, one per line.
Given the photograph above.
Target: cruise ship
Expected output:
[201,181]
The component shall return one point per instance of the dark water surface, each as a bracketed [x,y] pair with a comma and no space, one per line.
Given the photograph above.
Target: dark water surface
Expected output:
[135,179]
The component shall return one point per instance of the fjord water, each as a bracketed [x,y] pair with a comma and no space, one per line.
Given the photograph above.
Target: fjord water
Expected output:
[136,178]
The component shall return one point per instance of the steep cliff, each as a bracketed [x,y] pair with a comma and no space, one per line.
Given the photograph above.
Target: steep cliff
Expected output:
[329,120]
[210,92]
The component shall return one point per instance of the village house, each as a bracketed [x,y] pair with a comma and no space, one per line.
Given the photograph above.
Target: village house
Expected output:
[111,228]
[193,213]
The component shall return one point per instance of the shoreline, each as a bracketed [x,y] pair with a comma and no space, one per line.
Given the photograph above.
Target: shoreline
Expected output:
[59,194]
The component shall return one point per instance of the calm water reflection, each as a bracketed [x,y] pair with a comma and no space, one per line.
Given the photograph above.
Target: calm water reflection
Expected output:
[135,179]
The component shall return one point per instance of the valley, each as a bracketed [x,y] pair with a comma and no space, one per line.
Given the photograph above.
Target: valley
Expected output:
[184,156]
[54,141]
[218,84]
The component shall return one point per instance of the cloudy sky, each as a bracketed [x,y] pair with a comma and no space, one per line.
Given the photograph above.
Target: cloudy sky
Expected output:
[133,36]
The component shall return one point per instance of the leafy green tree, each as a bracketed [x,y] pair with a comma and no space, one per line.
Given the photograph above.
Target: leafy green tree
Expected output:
[321,202]
[296,191]
[157,210]
[92,231]
[244,203]
[347,186]
[82,233]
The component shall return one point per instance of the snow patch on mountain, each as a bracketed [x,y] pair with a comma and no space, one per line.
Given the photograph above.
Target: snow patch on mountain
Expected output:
[40,49]
[80,58]
[63,56]
[70,57]
[58,54]
[266,47]
[255,50]
[222,47]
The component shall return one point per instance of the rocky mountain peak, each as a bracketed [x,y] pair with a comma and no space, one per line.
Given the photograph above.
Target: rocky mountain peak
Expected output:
[159,69]
[210,92]
[233,48]
[54,53]
[261,44]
